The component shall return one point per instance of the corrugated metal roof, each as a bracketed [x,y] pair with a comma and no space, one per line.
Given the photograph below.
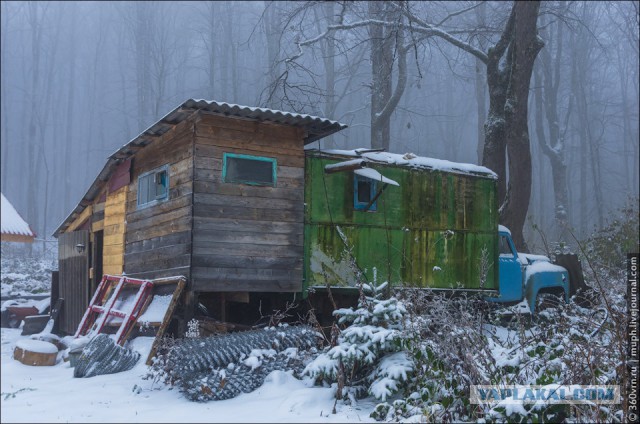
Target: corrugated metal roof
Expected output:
[315,128]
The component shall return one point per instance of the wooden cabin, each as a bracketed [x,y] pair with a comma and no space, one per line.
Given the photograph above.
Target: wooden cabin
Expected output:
[213,192]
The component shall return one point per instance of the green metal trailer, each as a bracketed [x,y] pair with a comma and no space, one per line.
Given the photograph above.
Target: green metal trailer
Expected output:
[412,221]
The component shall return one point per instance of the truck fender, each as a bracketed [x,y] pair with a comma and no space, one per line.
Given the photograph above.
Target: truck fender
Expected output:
[552,281]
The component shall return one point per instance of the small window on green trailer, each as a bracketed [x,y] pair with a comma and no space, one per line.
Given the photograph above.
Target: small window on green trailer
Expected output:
[153,186]
[246,169]
[364,190]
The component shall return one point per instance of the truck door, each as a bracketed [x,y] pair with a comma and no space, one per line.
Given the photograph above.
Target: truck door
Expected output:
[511,289]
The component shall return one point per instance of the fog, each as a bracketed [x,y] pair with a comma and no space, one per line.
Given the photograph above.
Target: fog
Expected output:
[80,79]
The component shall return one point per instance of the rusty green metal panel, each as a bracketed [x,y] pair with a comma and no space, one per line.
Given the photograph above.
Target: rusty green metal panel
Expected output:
[430,231]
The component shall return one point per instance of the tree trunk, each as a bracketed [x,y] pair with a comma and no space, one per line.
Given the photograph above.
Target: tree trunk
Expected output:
[273,28]
[480,86]
[507,125]
[381,75]
[548,83]
[142,31]
[69,142]
[525,48]
[329,58]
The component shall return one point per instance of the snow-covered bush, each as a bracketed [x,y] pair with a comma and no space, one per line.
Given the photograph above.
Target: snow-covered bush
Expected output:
[24,274]
[456,343]
[449,354]
[607,247]
[367,357]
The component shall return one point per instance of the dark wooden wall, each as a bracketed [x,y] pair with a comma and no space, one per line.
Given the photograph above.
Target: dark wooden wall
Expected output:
[247,238]
[74,279]
[158,237]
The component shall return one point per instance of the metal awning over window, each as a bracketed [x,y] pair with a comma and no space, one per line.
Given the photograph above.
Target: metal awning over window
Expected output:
[359,166]
[365,190]
[375,175]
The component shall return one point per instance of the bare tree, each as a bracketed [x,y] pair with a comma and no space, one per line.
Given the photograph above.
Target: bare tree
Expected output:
[384,98]
[509,67]
[548,78]
[480,81]
[273,26]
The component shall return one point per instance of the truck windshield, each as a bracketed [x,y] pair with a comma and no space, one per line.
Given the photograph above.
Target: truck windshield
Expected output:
[504,247]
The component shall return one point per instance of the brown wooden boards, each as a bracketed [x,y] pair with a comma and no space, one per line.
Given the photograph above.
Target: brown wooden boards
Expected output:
[247,237]
[180,285]
[158,237]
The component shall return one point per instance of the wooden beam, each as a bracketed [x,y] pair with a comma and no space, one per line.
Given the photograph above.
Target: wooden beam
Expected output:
[86,213]
[375,197]
[349,165]
[16,238]
[167,317]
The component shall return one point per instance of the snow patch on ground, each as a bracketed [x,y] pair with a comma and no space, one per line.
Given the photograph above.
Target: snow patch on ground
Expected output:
[51,394]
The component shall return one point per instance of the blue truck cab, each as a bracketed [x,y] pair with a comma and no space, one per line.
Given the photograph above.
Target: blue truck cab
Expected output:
[525,276]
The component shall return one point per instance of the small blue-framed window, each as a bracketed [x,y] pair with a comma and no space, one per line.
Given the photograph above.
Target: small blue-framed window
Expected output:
[153,186]
[364,190]
[247,169]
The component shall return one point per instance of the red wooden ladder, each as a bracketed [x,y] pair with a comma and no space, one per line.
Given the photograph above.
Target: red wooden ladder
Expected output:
[101,306]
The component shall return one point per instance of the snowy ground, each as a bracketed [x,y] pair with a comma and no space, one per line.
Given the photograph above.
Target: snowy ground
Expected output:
[52,394]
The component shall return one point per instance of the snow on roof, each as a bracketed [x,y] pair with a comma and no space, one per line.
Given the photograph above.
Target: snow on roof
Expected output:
[11,221]
[375,175]
[503,229]
[411,160]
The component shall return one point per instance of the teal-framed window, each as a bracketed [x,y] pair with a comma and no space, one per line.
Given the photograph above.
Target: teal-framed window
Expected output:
[247,169]
[364,190]
[153,186]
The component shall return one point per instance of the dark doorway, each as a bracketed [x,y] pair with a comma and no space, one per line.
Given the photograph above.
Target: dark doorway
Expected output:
[98,244]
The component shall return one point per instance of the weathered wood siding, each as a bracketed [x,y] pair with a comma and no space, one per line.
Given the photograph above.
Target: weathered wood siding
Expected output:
[158,237]
[247,238]
[114,228]
[428,232]
[73,279]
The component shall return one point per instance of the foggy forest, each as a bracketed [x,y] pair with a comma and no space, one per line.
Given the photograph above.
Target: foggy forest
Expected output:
[81,79]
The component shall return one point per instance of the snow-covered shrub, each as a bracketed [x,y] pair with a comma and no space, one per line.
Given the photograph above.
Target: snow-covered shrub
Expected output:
[455,344]
[449,354]
[367,357]
[22,273]
[607,247]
